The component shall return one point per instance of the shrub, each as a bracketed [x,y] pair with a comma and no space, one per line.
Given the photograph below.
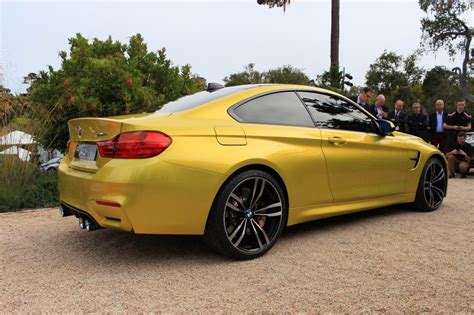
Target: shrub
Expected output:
[22,185]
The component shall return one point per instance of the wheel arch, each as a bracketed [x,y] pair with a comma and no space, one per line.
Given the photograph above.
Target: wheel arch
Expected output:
[443,161]
[253,166]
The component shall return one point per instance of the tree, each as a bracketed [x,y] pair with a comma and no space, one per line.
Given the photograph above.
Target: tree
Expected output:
[286,74]
[248,76]
[12,106]
[335,34]
[331,79]
[335,12]
[440,83]
[395,76]
[102,78]
[444,28]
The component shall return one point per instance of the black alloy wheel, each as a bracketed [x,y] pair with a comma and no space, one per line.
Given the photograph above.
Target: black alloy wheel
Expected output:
[432,186]
[248,216]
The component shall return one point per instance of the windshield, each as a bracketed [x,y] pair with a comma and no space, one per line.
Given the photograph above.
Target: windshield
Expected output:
[194,100]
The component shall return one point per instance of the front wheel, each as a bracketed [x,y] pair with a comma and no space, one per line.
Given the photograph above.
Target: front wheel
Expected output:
[248,216]
[432,186]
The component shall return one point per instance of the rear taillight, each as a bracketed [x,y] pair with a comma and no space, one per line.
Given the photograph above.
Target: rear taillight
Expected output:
[134,145]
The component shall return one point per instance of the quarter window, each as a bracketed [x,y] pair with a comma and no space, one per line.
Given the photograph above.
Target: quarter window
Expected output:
[334,113]
[283,108]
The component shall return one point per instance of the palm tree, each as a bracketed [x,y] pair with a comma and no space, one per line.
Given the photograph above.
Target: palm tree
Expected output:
[334,25]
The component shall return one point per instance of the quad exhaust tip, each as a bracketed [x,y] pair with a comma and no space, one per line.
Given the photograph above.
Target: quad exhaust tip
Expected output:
[85,221]
[86,224]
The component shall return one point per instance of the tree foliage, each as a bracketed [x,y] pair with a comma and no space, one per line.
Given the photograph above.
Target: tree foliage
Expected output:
[395,76]
[275,3]
[441,83]
[105,77]
[12,106]
[248,76]
[286,74]
[331,79]
[443,28]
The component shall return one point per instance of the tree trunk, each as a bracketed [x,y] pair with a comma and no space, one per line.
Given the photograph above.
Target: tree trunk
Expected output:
[464,76]
[335,33]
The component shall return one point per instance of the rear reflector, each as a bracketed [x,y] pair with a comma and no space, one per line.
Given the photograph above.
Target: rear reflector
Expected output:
[134,145]
[68,145]
[108,203]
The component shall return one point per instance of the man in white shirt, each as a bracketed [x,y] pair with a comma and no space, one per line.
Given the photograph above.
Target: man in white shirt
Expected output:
[379,110]
[436,121]
[398,116]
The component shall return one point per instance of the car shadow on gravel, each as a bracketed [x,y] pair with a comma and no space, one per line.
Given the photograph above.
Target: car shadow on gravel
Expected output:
[107,246]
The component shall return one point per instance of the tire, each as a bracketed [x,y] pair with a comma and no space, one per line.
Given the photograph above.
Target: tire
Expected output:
[51,171]
[431,187]
[248,216]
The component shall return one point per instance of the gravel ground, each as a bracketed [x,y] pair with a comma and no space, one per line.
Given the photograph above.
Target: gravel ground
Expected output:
[384,260]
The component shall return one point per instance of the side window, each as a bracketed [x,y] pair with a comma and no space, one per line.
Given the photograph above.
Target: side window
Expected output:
[334,113]
[282,108]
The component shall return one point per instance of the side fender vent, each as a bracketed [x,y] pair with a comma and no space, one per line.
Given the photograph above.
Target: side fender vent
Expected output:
[415,158]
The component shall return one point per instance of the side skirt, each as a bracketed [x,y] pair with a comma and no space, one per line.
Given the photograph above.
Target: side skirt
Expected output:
[305,214]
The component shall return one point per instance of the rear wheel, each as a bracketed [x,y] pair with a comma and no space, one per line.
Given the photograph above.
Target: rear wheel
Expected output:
[432,186]
[248,216]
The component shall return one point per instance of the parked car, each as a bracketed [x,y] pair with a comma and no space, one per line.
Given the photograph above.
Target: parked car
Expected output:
[239,164]
[470,140]
[51,167]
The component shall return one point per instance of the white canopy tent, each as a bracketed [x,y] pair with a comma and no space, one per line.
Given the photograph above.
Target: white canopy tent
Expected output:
[17,138]
[23,154]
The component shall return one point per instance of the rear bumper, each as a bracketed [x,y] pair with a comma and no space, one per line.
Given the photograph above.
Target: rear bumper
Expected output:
[145,196]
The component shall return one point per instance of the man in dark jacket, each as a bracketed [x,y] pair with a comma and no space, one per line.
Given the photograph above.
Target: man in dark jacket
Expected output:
[436,121]
[418,123]
[363,98]
[398,116]
[378,109]
[457,121]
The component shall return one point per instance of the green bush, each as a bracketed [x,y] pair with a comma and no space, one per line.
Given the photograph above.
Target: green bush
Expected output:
[105,78]
[22,185]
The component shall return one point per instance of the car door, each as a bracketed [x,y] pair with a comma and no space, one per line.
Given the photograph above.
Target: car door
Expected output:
[361,163]
[278,128]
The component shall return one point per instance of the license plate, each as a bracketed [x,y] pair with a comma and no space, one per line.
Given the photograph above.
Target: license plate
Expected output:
[86,152]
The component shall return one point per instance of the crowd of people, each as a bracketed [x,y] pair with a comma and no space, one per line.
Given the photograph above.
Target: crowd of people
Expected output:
[446,131]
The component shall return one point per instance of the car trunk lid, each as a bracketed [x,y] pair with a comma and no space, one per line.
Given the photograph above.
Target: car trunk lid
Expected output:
[84,133]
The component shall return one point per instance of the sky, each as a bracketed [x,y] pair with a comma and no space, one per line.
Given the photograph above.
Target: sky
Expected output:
[216,38]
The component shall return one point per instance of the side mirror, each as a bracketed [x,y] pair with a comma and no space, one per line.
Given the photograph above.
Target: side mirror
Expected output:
[386,127]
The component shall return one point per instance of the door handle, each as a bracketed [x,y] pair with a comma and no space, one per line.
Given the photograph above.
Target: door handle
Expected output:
[337,140]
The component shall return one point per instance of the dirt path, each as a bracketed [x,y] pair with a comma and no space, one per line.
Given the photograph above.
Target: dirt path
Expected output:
[386,260]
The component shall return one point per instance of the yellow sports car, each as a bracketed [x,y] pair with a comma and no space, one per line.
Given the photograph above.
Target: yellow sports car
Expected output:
[238,164]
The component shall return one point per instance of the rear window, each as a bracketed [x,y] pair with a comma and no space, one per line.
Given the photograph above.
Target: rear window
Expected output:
[199,98]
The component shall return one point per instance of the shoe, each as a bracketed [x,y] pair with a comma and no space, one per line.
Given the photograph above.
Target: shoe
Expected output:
[463,175]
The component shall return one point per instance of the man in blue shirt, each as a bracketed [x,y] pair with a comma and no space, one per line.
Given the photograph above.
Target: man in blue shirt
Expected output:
[436,121]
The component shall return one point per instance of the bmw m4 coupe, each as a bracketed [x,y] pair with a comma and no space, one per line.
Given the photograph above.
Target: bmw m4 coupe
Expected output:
[239,164]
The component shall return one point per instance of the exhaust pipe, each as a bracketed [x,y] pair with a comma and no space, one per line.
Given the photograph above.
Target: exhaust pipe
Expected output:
[64,212]
[87,224]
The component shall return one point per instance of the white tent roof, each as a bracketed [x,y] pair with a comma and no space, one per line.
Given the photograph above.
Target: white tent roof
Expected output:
[22,153]
[17,137]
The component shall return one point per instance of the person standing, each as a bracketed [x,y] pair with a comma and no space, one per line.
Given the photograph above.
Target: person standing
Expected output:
[418,122]
[459,155]
[436,122]
[379,110]
[398,116]
[457,121]
[364,96]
